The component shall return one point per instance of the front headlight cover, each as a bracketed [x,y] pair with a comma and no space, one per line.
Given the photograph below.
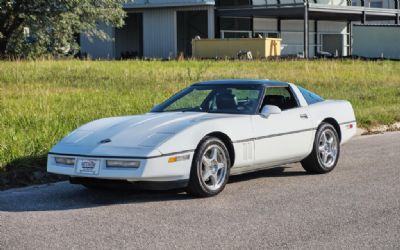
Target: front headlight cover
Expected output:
[69,161]
[122,164]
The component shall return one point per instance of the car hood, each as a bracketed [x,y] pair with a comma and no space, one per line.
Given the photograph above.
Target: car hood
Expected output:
[137,135]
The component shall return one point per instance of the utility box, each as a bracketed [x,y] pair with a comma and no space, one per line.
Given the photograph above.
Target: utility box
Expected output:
[376,41]
[260,48]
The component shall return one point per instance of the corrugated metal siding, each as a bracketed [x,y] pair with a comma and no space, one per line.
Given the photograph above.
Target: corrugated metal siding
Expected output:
[376,41]
[159,33]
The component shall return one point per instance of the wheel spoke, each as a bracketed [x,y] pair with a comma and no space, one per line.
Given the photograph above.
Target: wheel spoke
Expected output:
[206,175]
[323,138]
[214,179]
[220,166]
[333,153]
[206,162]
[214,154]
[325,157]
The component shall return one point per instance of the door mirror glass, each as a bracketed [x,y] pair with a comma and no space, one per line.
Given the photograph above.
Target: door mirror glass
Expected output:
[268,110]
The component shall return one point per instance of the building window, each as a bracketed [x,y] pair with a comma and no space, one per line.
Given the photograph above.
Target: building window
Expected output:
[233,2]
[236,27]
[264,34]
[372,3]
[235,34]
[231,23]
[376,4]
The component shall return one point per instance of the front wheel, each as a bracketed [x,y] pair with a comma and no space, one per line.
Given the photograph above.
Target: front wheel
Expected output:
[326,150]
[210,168]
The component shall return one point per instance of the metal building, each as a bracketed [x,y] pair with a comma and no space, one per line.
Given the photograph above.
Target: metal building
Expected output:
[164,29]
[377,41]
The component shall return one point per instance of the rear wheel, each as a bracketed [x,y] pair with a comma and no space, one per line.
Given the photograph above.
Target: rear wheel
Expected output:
[210,168]
[326,150]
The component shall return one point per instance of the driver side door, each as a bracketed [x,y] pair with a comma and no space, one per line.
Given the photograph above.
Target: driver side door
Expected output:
[285,137]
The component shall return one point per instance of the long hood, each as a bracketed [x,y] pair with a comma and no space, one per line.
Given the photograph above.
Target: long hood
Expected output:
[137,135]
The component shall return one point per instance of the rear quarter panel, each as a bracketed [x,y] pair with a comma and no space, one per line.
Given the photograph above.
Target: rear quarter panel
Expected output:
[341,111]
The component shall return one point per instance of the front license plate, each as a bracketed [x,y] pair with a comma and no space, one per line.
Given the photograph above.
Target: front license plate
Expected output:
[88,166]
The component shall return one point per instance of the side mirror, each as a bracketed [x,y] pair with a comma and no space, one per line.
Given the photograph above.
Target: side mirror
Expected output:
[268,110]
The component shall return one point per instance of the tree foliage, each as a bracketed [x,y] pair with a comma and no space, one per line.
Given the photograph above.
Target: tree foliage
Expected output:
[53,25]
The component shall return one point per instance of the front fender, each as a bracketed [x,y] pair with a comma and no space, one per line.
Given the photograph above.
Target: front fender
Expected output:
[236,128]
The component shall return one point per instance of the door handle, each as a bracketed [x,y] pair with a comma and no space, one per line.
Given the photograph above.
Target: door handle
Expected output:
[304,116]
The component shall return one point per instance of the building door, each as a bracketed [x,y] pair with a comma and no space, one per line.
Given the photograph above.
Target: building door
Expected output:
[129,38]
[189,25]
[333,43]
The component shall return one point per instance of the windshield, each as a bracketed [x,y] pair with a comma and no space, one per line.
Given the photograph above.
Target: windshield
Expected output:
[214,99]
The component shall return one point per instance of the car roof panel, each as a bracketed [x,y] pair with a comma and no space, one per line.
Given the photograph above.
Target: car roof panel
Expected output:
[268,83]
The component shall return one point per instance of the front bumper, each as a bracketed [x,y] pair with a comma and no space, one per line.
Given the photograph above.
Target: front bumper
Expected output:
[156,169]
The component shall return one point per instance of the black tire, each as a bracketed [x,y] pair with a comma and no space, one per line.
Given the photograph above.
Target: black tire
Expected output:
[313,163]
[198,187]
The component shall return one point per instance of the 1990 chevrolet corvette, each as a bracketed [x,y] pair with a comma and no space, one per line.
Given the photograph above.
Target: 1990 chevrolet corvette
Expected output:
[205,133]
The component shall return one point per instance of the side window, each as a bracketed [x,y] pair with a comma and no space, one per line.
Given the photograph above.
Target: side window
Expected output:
[236,100]
[281,97]
[310,97]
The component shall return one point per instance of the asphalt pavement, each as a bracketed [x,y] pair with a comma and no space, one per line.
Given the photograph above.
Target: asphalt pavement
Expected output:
[357,206]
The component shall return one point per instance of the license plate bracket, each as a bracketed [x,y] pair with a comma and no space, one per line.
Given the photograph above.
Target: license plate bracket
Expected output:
[88,166]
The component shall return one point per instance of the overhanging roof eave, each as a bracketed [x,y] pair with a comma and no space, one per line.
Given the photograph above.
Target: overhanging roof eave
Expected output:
[132,6]
[316,11]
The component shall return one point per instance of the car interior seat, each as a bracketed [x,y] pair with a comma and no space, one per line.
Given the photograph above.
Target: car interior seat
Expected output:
[276,100]
[226,101]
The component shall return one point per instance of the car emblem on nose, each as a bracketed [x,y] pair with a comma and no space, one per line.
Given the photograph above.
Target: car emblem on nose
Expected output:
[105,141]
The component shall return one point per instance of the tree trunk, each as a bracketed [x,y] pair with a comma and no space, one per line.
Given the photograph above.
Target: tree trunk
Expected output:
[11,23]
[3,46]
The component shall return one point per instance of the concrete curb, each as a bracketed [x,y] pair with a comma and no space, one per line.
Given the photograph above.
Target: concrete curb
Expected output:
[379,129]
[360,131]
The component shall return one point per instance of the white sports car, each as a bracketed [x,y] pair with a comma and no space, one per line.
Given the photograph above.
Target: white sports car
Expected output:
[205,133]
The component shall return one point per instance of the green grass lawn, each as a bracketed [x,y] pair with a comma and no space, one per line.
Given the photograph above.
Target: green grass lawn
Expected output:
[43,101]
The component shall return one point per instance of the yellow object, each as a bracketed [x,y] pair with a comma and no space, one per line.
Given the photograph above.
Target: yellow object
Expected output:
[178,158]
[172,159]
[229,48]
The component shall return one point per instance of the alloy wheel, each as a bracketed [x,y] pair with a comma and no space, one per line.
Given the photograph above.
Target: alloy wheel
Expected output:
[327,148]
[214,166]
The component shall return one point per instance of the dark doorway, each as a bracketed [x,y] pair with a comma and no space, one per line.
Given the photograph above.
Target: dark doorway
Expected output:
[333,43]
[129,38]
[189,25]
